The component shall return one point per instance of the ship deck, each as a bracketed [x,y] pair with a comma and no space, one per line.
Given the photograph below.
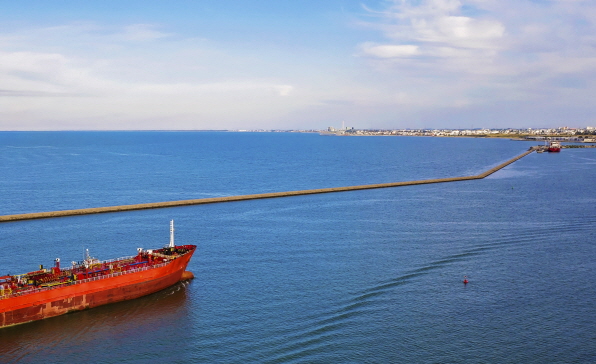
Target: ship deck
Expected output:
[88,270]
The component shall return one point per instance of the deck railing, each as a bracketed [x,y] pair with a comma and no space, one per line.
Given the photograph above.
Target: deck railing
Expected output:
[87,280]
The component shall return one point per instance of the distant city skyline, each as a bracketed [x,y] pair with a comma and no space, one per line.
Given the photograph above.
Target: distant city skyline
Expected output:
[223,64]
[588,131]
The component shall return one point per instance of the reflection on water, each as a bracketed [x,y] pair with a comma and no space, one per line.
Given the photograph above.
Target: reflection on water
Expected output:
[78,333]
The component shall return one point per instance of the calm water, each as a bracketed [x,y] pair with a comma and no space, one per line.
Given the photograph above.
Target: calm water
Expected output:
[354,277]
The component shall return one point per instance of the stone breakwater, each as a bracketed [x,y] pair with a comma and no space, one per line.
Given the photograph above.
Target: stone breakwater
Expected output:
[156,205]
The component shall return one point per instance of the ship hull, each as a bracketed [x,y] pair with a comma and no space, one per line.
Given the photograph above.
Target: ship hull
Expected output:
[91,293]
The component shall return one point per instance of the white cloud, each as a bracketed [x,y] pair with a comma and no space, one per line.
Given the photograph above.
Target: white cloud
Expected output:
[284,90]
[460,30]
[438,23]
[482,52]
[43,73]
[84,76]
[143,32]
[390,51]
[185,89]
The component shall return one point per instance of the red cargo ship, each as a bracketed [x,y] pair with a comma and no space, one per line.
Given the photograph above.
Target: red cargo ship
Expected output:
[91,283]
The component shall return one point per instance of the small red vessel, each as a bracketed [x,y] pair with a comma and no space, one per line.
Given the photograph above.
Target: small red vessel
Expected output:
[51,292]
[554,147]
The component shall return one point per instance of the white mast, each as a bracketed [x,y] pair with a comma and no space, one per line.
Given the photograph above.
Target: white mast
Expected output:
[171,234]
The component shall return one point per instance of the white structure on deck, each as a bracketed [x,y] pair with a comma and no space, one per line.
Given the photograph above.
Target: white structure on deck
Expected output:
[171,234]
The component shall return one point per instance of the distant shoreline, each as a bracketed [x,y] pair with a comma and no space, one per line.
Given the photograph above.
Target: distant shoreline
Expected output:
[523,138]
[443,133]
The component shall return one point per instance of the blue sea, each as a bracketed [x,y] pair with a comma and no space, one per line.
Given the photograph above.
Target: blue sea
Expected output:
[370,276]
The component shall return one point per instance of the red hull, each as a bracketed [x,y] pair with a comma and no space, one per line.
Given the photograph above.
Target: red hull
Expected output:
[554,147]
[92,292]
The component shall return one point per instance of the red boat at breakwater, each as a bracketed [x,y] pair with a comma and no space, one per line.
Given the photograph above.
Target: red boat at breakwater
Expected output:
[554,147]
[90,283]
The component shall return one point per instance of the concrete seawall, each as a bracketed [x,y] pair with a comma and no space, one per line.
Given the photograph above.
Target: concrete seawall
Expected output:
[155,205]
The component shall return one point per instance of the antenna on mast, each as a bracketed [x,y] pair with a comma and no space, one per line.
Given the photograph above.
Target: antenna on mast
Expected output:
[171,234]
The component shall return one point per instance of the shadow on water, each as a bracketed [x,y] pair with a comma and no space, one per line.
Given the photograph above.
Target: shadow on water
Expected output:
[62,338]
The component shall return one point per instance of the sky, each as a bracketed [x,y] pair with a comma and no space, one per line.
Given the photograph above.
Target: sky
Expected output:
[296,64]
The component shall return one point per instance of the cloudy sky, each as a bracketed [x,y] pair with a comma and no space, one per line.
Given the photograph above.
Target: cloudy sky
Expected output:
[296,64]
